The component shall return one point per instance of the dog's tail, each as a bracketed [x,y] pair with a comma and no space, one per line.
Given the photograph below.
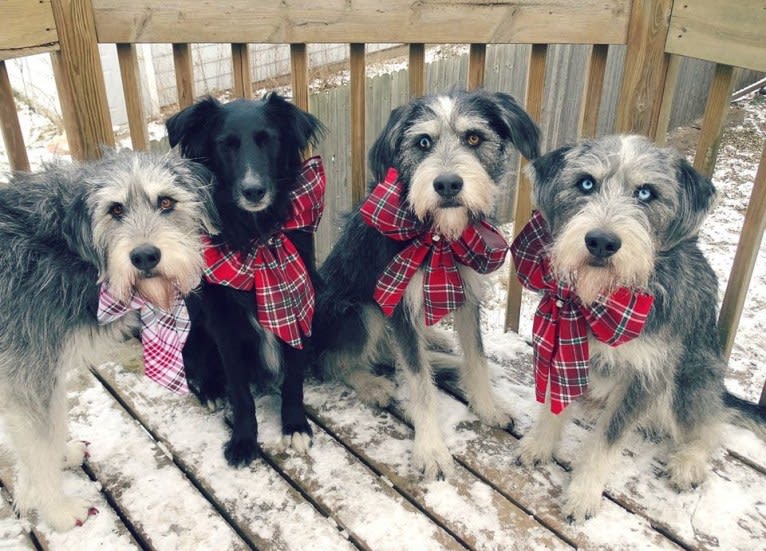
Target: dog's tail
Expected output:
[746,414]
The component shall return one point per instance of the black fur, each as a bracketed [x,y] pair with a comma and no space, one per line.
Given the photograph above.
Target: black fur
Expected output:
[245,143]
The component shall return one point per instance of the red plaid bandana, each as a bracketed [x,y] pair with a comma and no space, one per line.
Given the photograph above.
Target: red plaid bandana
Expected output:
[163,335]
[561,323]
[481,247]
[272,268]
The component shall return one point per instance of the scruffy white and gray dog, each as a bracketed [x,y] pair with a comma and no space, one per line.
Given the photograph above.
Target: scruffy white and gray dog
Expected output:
[129,220]
[624,213]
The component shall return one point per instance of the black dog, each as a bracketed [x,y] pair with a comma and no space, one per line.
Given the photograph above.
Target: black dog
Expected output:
[254,149]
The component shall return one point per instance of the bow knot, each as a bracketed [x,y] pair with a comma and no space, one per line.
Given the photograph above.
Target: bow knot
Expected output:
[273,268]
[561,323]
[481,247]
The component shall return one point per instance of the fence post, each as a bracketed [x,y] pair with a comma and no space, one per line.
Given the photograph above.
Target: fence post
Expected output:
[9,124]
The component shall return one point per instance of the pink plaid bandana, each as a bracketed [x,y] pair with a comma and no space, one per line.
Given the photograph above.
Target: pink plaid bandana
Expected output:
[163,335]
[561,323]
[272,268]
[481,247]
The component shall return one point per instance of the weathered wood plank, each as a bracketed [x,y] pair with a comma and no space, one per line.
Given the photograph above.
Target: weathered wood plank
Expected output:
[71,126]
[459,21]
[477,59]
[13,532]
[594,86]
[744,262]
[28,28]
[731,33]
[131,89]
[523,209]
[268,510]
[417,69]
[669,92]
[645,66]
[81,69]
[9,124]
[299,63]
[182,61]
[358,85]
[716,108]
[240,60]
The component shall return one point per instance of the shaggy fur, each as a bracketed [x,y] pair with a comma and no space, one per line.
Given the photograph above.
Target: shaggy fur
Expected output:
[451,152]
[254,149]
[624,212]
[64,230]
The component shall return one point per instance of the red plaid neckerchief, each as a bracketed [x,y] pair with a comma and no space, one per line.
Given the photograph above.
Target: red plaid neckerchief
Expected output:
[272,268]
[481,247]
[163,334]
[561,323]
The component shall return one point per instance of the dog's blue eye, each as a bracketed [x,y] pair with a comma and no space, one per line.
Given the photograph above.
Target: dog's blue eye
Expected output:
[644,193]
[424,143]
[586,184]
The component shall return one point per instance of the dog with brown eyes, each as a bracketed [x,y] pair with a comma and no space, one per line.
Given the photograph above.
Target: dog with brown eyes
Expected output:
[614,243]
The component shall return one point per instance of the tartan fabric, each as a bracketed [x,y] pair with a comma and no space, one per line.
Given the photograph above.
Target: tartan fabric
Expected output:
[163,334]
[481,246]
[561,322]
[273,268]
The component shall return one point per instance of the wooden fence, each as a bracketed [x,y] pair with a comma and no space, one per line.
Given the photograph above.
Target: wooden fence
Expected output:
[656,35]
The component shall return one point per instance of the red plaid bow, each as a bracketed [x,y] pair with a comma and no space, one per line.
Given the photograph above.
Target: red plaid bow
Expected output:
[272,268]
[560,328]
[481,247]
[163,335]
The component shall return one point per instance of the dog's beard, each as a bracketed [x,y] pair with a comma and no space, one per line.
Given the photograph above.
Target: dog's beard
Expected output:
[157,290]
[451,222]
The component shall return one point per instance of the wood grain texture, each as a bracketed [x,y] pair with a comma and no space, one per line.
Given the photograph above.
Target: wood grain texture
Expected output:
[81,69]
[240,61]
[182,61]
[716,108]
[666,105]
[9,124]
[299,64]
[417,69]
[28,27]
[299,21]
[131,89]
[594,87]
[645,67]
[744,262]
[732,33]
[358,146]
[534,107]
[66,101]
[477,59]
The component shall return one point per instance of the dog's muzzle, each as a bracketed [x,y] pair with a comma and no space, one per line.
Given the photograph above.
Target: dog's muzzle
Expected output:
[145,258]
[601,244]
[448,186]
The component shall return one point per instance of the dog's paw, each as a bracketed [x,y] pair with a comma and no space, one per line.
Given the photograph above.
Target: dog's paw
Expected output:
[298,441]
[687,470]
[434,462]
[376,391]
[241,451]
[212,396]
[76,453]
[67,513]
[582,501]
[493,416]
[533,451]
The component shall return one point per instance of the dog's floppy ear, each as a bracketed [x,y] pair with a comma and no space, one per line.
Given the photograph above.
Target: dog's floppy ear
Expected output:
[542,173]
[518,126]
[190,128]
[195,177]
[302,126]
[696,195]
[382,152]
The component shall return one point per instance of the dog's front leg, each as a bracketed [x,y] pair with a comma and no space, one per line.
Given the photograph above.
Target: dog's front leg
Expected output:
[474,375]
[296,430]
[538,445]
[430,454]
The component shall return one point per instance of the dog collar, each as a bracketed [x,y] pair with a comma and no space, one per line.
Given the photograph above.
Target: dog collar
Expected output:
[273,268]
[163,334]
[481,246]
[561,322]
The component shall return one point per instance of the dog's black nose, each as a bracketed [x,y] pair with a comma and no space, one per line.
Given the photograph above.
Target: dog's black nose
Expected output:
[448,185]
[602,244]
[254,193]
[145,257]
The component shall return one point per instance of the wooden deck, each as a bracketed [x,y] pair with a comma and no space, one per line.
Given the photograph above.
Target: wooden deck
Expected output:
[158,477]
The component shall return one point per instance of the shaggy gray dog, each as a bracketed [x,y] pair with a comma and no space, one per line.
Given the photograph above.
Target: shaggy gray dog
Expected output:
[623,212]
[132,220]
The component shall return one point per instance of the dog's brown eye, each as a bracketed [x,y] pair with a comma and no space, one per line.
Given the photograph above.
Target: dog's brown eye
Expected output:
[166,204]
[424,143]
[116,210]
[231,142]
[473,139]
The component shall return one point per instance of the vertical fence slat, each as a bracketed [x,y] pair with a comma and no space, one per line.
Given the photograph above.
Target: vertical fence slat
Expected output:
[9,124]
[299,64]
[417,70]
[477,58]
[358,148]
[81,72]
[645,67]
[131,88]
[716,108]
[182,60]
[663,119]
[71,126]
[240,61]
[594,86]
[534,106]
[744,261]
